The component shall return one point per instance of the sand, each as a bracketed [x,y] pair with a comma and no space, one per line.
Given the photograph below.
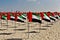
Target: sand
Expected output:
[37,31]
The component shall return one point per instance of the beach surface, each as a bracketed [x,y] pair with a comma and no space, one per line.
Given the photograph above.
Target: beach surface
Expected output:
[12,30]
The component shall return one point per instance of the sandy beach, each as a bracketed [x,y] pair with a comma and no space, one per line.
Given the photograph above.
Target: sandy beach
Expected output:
[19,31]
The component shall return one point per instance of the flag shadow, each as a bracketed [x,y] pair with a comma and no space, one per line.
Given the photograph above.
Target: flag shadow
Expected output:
[32,32]
[5,33]
[14,39]
[19,29]
[46,26]
[40,29]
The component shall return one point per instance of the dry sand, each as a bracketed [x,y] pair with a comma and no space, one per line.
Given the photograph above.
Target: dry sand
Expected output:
[42,33]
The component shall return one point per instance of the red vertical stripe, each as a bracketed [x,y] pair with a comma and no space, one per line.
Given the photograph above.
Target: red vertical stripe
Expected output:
[48,14]
[42,15]
[0,15]
[29,16]
[58,14]
[15,16]
[53,14]
[8,16]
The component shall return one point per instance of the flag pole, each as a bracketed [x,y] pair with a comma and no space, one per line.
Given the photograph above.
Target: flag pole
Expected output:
[29,19]
[0,19]
[27,25]
[15,14]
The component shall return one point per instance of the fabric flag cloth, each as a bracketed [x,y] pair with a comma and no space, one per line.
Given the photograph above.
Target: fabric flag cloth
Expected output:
[19,18]
[53,16]
[36,18]
[4,16]
[45,17]
[12,16]
[56,16]
[50,16]
[33,17]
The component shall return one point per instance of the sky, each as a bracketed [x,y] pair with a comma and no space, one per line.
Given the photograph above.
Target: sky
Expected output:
[30,5]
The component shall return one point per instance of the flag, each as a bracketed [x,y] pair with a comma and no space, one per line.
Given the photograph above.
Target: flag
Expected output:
[4,16]
[56,16]
[12,16]
[45,17]
[19,18]
[36,18]
[50,16]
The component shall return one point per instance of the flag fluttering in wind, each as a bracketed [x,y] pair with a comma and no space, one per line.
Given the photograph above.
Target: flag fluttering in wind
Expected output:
[50,16]
[56,16]
[36,18]
[53,15]
[21,18]
[44,17]
[17,17]
[4,16]
[33,17]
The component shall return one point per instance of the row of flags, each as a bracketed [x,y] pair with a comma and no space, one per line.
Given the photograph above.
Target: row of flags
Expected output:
[30,16]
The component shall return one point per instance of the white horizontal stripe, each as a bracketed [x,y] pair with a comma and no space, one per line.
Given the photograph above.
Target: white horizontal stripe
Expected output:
[35,17]
[18,18]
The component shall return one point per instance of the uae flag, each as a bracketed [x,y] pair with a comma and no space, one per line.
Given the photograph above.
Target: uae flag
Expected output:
[33,17]
[36,18]
[19,18]
[4,16]
[13,17]
[50,16]
[53,17]
[56,16]
[45,17]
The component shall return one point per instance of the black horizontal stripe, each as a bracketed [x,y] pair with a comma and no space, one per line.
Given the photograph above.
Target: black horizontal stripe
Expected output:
[18,20]
[56,17]
[46,20]
[52,19]
[36,20]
